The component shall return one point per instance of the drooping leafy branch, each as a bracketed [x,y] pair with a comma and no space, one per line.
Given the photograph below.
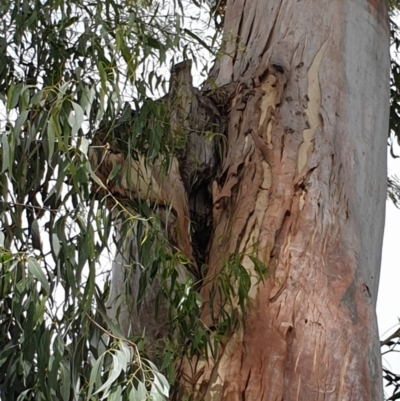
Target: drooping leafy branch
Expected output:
[70,67]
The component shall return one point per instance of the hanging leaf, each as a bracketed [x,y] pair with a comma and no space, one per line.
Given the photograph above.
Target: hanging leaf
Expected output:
[5,153]
[76,119]
[36,241]
[35,269]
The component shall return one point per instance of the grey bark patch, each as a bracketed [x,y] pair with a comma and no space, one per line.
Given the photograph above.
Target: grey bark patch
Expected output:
[348,302]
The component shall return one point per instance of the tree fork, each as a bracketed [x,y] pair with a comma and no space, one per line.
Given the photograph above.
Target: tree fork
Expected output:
[182,196]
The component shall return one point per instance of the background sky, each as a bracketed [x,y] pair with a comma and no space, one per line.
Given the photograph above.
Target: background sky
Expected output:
[388,308]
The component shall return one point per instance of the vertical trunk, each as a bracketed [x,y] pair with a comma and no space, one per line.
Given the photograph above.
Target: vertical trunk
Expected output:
[302,188]
[303,182]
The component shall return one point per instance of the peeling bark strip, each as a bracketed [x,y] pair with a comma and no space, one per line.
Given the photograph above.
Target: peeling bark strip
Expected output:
[304,180]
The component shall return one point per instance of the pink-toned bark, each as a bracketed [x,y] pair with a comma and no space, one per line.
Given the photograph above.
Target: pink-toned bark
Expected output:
[304,180]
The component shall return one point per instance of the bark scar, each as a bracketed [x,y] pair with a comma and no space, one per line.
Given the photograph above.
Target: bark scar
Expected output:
[312,110]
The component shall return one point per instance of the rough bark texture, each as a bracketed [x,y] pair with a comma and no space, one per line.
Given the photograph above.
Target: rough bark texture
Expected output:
[304,178]
[304,181]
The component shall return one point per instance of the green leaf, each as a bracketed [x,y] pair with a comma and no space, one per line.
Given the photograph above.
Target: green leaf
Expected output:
[35,269]
[160,381]
[53,134]
[75,120]
[94,177]
[5,153]
[37,97]
[116,168]
[198,39]
[103,77]
[155,394]
[25,96]
[21,121]
[95,374]
[13,96]
[87,98]
[139,393]
[261,270]
[36,241]
[125,354]
[24,395]
[56,247]
[115,394]
[116,369]
[84,146]
[65,387]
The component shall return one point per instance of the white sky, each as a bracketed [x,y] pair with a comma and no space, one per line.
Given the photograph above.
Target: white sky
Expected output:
[388,308]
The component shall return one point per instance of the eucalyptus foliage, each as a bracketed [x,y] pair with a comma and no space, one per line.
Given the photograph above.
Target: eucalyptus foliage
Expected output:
[69,68]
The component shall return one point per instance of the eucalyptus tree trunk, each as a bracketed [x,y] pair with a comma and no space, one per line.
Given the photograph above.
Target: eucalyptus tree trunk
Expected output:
[305,89]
